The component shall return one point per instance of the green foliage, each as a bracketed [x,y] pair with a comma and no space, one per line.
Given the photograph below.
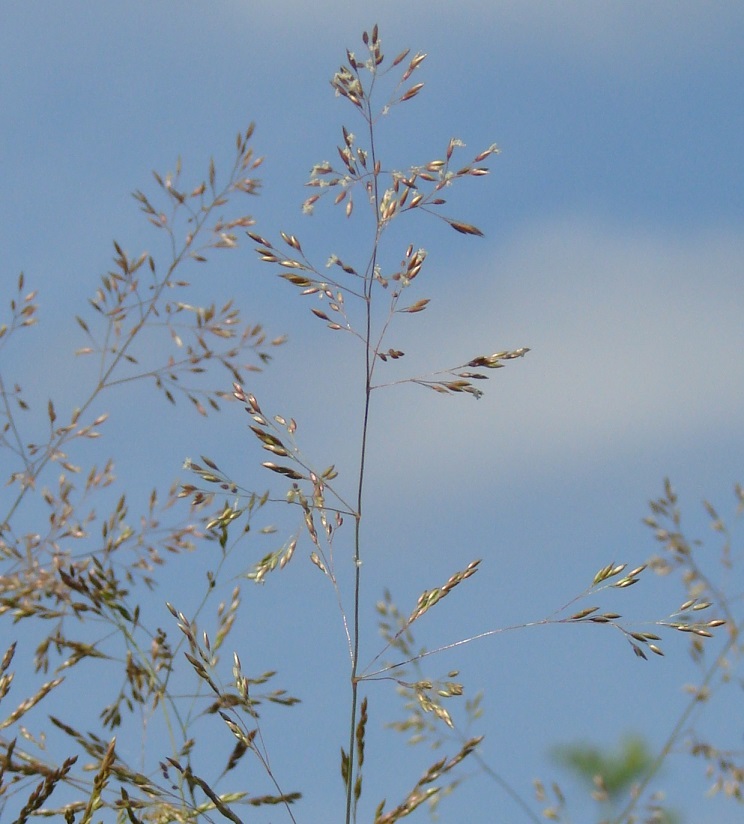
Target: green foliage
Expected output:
[617,768]
[611,774]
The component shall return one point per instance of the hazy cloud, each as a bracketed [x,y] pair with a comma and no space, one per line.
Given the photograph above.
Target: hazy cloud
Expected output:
[635,339]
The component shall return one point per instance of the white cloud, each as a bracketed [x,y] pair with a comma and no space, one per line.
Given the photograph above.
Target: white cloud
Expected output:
[635,340]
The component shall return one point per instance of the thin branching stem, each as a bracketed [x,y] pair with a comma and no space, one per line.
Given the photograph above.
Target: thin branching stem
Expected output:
[106,372]
[693,704]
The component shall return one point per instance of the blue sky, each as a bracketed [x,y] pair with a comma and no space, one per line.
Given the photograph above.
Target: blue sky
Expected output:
[614,249]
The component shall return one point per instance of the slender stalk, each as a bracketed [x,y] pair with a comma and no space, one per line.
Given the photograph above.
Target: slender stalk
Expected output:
[370,355]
